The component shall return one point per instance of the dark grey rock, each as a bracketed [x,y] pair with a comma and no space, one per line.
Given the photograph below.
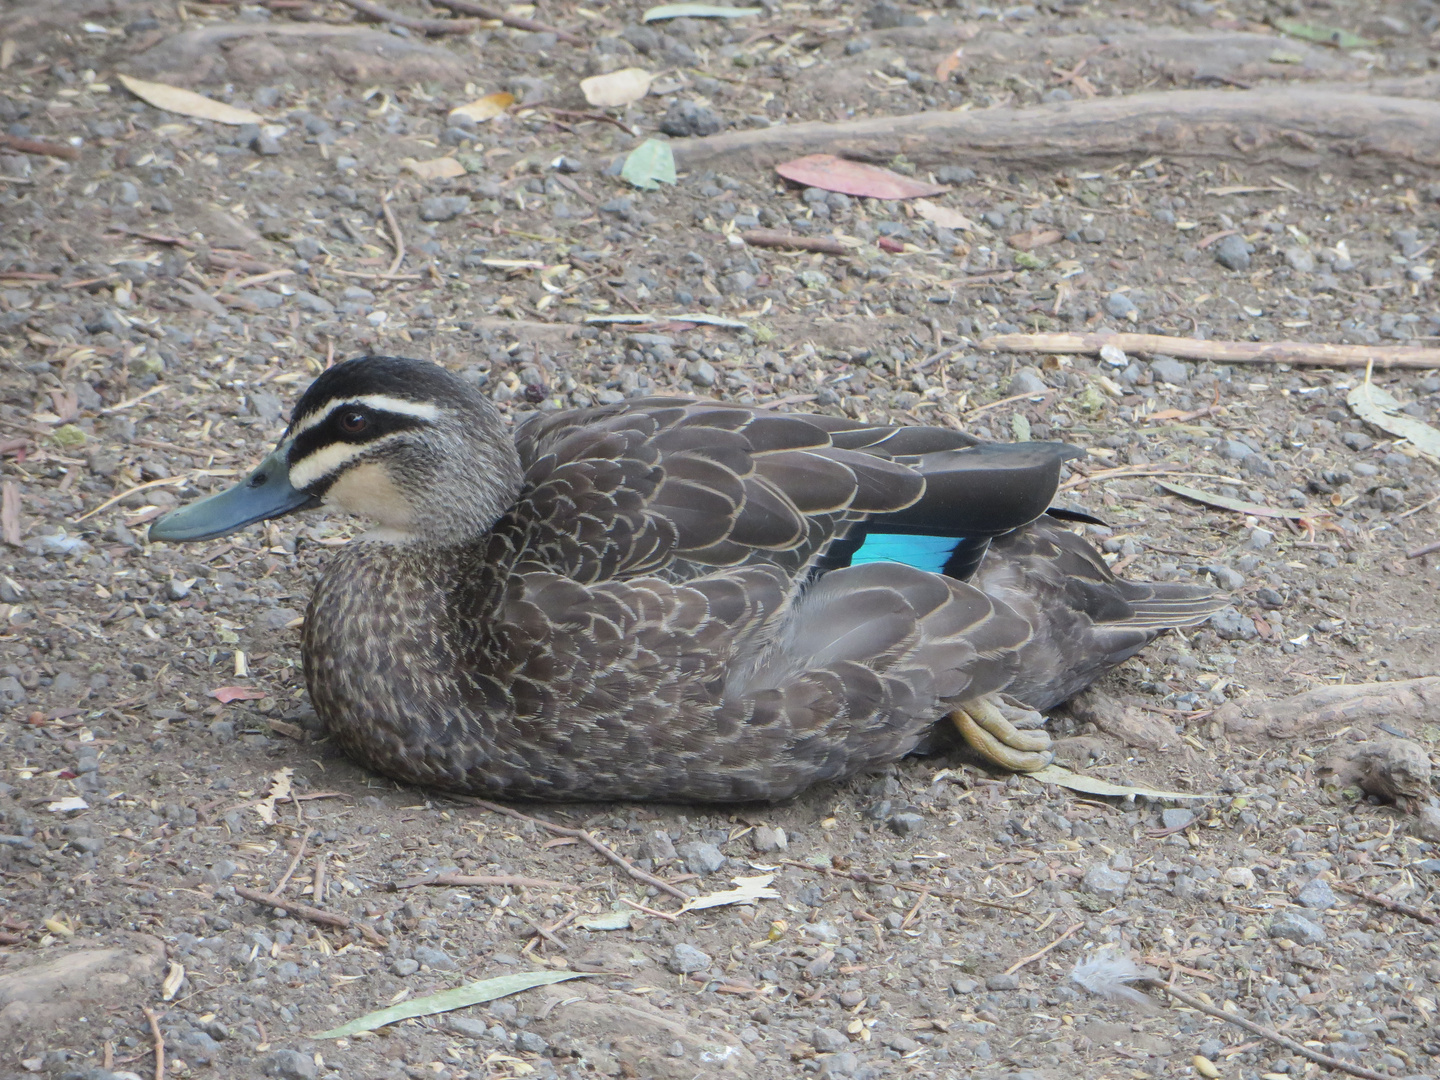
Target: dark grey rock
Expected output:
[438,959]
[1026,380]
[289,1065]
[828,1040]
[701,858]
[1232,626]
[530,1042]
[1300,260]
[1317,896]
[906,823]
[1233,252]
[308,301]
[467,1028]
[1105,883]
[1357,440]
[1168,369]
[404,966]
[686,959]
[1289,924]
[444,207]
[1177,817]
[1120,306]
[685,118]
[1002,982]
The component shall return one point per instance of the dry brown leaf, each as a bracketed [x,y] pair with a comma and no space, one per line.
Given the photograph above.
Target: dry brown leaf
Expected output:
[946,67]
[485,108]
[1028,241]
[188,103]
[831,173]
[943,216]
[279,789]
[440,168]
[618,88]
[226,694]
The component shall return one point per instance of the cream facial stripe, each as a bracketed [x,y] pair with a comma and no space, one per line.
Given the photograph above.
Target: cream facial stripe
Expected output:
[421,410]
[330,459]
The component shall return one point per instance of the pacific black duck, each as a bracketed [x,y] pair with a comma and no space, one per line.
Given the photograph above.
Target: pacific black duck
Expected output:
[675,599]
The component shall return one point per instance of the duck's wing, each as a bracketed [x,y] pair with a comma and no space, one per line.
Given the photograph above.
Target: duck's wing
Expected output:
[1084,620]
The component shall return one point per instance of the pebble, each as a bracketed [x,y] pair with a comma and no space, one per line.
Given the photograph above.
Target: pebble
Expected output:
[906,823]
[828,1040]
[530,1042]
[444,207]
[1026,380]
[467,1028]
[1233,252]
[1232,626]
[1176,817]
[1300,260]
[438,959]
[1297,928]
[1427,826]
[686,118]
[289,1065]
[404,966]
[1357,440]
[686,959]
[765,839]
[1105,883]
[1169,370]
[1317,895]
[1120,306]
[1003,981]
[701,858]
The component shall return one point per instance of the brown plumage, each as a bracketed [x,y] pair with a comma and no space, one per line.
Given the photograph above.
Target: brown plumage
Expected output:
[651,600]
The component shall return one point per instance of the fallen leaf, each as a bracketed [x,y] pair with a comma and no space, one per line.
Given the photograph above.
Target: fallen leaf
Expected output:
[279,789]
[226,694]
[1093,785]
[10,513]
[67,805]
[1028,241]
[174,977]
[59,926]
[611,920]
[1238,506]
[699,11]
[943,216]
[890,244]
[440,168]
[700,318]
[748,890]
[1378,407]
[485,108]
[649,165]
[1322,35]
[831,173]
[188,103]
[618,88]
[448,1000]
[946,67]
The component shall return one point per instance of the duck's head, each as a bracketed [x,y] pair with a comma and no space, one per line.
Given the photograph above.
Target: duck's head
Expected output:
[402,442]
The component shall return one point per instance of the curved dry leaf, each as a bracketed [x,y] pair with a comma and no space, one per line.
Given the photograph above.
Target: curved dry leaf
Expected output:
[1093,785]
[649,165]
[485,108]
[699,11]
[831,173]
[1379,407]
[188,103]
[943,216]
[439,168]
[473,993]
[617,88]
[1238,506]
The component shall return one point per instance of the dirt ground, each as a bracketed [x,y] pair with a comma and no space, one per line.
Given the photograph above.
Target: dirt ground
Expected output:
[166,294]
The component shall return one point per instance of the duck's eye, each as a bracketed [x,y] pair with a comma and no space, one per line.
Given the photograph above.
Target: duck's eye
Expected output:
[353,422]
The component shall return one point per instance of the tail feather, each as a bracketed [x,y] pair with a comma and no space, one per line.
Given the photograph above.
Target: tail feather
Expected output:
[1162,605]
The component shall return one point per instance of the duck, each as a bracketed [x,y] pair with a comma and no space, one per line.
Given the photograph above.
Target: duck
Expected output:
[674,599]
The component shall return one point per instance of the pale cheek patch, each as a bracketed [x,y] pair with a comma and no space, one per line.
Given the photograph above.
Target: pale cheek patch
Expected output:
[368,490]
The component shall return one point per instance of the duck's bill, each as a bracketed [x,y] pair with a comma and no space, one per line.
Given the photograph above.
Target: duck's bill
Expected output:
[265,493]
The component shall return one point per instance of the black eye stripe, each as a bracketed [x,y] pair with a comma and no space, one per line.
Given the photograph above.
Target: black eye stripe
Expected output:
[330,430]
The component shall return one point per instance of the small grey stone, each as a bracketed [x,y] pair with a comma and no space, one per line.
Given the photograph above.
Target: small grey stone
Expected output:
[1092,234]
[266,145]
[404,966]
[677,1049]
[1317,895]
[823,931]
[266,406]
[658,848]
[1177,817]
[1105,883]
[1300,260]
[684,118]
[1002,982]
[1232,626]
[686,959]
[437,959]
[1389,499]
[765,839]
[530,1042]
[467,1028]
[903,1044]
[178,590]
[1235,450]
[89,845]
[267,622]
[964,985]
[289,1065]
[1233,252]
[1121,306]
[828,1040]
[701,858]
[907,823]
[1260,539]
[1357,440]
[701,373]
[443,207]
[11,692]
[1296,927]
[842,1064]
[318,305]
[1169,370]
[1427,827]
[1026,380]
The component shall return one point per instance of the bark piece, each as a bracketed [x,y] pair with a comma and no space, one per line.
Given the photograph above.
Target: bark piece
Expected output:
[1130,725]
[1412,701]
[1396,770]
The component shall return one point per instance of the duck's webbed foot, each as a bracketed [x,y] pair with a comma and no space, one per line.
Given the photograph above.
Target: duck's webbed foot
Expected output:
[987,728]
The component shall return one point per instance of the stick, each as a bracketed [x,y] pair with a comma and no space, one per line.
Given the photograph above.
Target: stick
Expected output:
[1037,955]
[159,1041]
[315,915]
[483,879]
[299,854]
[39,147]
[599,118]
[517,22]
[580,834]
[1299,127]
[1228,352]
[774,238]
[1423,549]
[1266,1033]
[424,26]
[395,236]
[1389,905]
[908,886]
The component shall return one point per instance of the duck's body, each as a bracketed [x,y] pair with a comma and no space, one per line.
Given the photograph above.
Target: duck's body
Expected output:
[678,600]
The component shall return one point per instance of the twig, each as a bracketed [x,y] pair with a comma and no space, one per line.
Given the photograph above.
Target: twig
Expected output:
[376,276]
[395,236]
[649,911]
[599,118]
[38,146]
[1423,549]
[1266,1033]
[1227,352]
[1037,955]
[156,444]
[1416,509]
[157,389]
[548,932]
[317,883]
[516,22]
[774,238]
[580,834]
[159,1041]
[1389,905]
[1006,401]
[424,26]
[483,879]
[909,886]
[294,862]
[315,915]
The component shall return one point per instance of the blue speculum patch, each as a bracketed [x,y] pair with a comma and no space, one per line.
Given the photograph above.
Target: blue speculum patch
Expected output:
[929,553]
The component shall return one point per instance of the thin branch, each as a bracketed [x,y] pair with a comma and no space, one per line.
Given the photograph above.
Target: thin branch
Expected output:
[1266,1033]
[1298,353]
[396,237]
[483,879]
[294,862]
[159,1041]
[517,22]
[39,147]
[1386,902]
[424,26]
[315,915]
[580,834]
[774,238]
[1423,549]
[1037,955]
